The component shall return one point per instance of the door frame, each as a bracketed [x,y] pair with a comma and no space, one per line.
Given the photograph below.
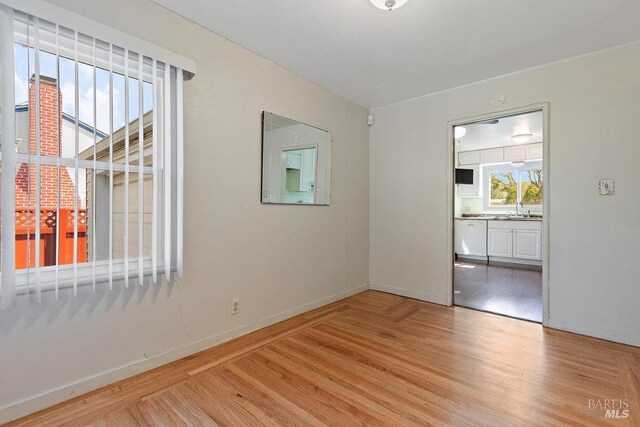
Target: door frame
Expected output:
[546,161]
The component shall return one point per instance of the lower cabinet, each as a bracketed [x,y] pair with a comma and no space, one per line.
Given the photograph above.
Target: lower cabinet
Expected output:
[527,244]
[515,239]
[471,237]
[500,242]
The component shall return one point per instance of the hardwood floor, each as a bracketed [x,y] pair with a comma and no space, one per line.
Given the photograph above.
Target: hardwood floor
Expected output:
[378,359]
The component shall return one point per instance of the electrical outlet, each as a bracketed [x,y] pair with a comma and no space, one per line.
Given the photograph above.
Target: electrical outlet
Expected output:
[235,306]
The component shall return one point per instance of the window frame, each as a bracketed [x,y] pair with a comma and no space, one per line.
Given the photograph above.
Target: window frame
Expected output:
[487,170]
[167,168]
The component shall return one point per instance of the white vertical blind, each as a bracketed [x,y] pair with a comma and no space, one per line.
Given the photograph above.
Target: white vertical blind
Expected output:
[154,159]
[82,233]
[166,154]
[110,167]
[7,100]
[180,169]
[140,172]
[38,130]
[95,165]
[59,131]
[76,214]
[126,169]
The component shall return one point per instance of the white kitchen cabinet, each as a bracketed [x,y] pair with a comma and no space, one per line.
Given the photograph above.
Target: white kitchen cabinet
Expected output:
[469,158]
[500,242]
[515,239]
[527,244]
[471,190]
[307,169]
[515,153]
[534,151]
[471,237]
[494,155]
[294,159]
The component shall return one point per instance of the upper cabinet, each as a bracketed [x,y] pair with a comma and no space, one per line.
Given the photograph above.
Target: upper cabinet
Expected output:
[515,153]
[493,155]
[471,190]
[534,151]
[512,153]
[469,158]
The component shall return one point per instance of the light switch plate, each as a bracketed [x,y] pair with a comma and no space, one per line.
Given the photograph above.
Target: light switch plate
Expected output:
[607,187]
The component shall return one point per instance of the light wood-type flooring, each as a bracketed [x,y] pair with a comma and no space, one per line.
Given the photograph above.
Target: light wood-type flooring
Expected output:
[378,359]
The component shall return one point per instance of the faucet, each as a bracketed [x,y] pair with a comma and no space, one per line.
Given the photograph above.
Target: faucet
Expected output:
[519,204]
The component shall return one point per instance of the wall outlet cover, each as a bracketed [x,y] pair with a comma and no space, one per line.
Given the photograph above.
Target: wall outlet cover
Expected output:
[607,187]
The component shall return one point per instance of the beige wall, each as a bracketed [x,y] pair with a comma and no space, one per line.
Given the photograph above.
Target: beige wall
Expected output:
[594,240]
[278,260]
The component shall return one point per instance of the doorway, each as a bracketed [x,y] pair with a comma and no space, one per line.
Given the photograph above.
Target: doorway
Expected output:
[499,221]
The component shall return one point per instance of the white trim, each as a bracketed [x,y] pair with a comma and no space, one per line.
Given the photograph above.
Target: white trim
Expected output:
[410,293]
[545,108]
[84,276]
[71,163]
[594,332]
[92,28]
[51,397]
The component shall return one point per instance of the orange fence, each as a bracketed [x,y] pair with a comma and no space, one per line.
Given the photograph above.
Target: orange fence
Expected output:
[50,229]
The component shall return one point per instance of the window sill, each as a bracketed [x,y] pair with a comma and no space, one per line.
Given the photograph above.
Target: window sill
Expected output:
[65,277]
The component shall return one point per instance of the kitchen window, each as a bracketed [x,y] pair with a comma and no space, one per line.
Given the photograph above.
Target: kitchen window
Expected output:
[506,185]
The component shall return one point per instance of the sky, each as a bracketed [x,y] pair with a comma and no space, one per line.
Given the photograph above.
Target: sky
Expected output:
[25,68]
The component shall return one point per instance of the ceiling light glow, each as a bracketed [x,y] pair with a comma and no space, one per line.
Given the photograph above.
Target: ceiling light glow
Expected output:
[521,138]
[388,4]
[459,132]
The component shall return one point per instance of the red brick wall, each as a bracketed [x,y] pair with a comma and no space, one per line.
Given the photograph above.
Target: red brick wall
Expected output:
[50,145]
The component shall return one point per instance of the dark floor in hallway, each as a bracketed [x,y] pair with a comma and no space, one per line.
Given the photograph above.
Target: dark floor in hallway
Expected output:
[514,292]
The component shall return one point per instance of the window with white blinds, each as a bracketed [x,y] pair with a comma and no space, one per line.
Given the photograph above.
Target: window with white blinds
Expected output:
[91,158]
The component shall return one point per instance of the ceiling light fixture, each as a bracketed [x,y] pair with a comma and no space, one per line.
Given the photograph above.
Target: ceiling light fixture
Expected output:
[388,4]
[459,132]
[521,138]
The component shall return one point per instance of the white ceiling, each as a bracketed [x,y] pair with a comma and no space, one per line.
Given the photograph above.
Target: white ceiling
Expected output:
[375,57]
[480,135]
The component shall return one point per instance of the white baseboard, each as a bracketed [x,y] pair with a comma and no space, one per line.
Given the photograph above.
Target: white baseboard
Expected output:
[410,293]
[54,396]
[595,332]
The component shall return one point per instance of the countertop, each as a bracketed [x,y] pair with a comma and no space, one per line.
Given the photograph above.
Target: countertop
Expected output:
[499,218]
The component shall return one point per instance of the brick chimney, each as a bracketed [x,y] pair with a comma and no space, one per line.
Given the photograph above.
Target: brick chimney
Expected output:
[50,145]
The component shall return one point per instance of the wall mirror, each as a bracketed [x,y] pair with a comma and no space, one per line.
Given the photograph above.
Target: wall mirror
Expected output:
[296,162]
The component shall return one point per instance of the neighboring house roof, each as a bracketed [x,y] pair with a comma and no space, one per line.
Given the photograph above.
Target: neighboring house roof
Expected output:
[102,147]
[21,108]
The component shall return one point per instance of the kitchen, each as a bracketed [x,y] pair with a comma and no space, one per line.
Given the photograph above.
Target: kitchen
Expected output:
[498,224]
